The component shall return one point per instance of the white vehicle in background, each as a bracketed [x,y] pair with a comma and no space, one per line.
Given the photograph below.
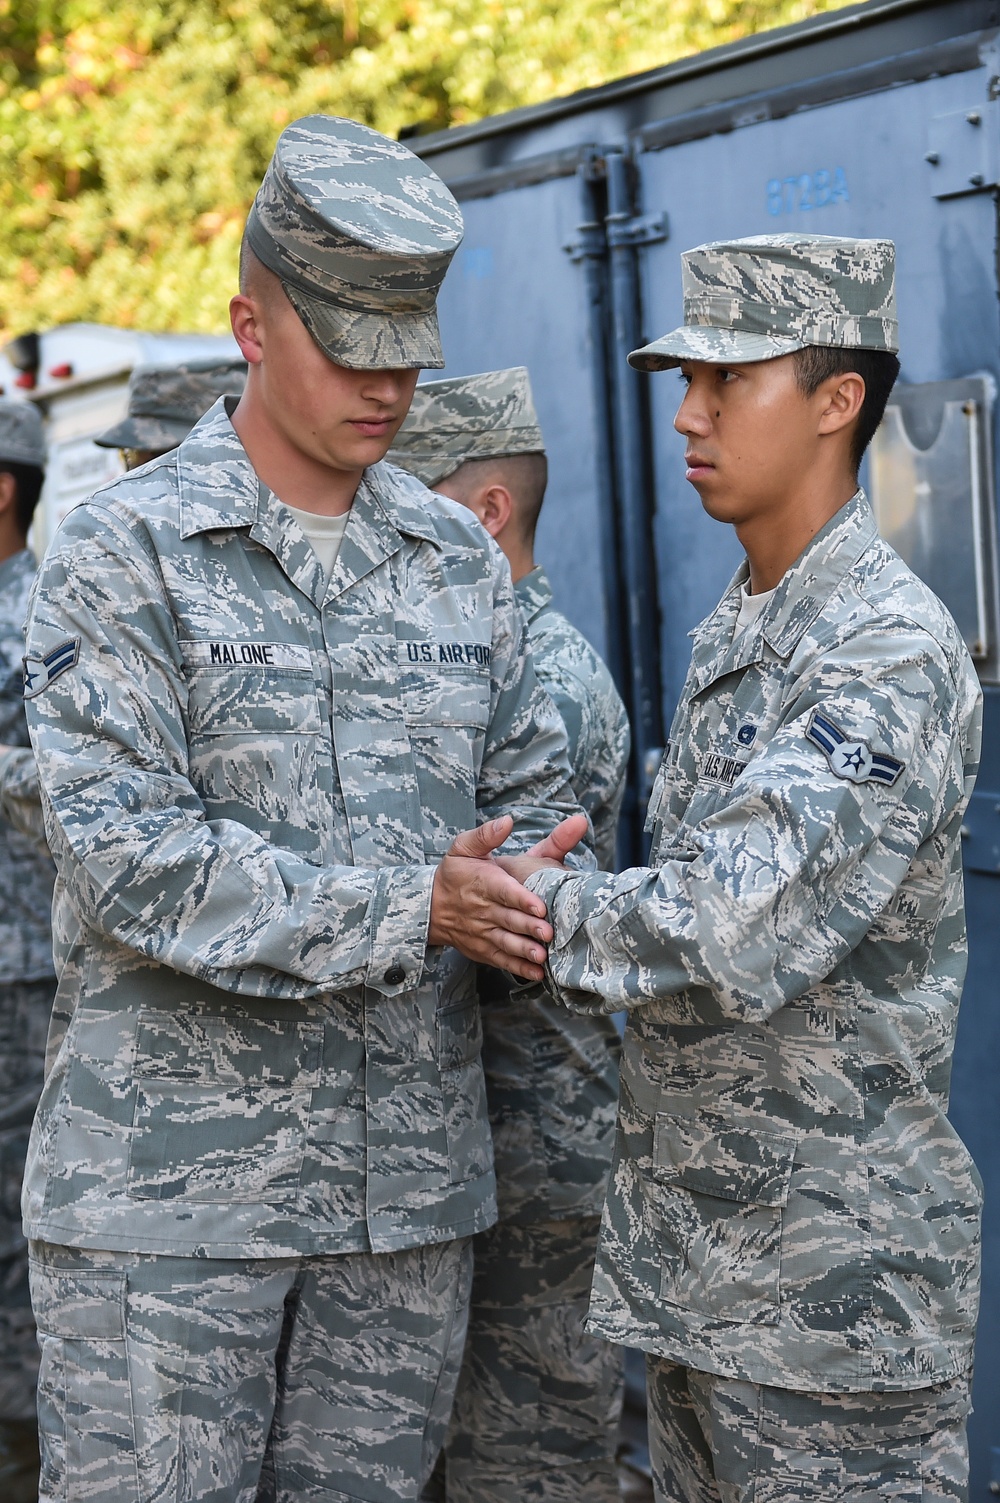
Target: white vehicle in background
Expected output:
[77,374]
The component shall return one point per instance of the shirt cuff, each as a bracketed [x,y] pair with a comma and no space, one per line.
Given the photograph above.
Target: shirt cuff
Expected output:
[400,913]
[546,884]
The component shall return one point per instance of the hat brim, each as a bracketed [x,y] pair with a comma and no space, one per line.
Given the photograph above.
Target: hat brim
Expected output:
[145,433]
[713,346]
[429,469]
[370,341]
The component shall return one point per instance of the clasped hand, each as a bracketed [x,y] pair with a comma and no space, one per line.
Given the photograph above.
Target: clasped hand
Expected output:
[480,905]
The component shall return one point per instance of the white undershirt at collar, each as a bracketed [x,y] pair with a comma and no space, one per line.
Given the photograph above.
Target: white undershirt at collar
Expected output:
[750,608]
[325,533]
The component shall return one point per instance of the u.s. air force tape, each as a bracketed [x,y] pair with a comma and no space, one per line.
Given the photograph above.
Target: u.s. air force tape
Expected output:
[853,760]
[40,672]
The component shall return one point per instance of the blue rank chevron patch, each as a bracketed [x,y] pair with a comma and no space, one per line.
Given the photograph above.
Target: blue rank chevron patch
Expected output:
[40,672]
[853,760]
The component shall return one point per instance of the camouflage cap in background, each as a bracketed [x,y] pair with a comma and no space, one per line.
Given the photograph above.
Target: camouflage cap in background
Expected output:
[22,440]
[756,299]
[165,401]
[360,232]
[467,417]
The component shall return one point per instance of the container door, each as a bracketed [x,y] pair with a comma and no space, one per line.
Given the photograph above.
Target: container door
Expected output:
[514,296]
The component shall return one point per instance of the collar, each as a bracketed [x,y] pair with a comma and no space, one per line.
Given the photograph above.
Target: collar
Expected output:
[798,599]
[534,593]
[218,488]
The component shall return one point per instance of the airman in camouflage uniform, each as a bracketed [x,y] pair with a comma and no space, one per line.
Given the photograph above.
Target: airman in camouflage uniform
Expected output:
[792,1227]
[27,978]
[536,1414]
[165,402]
[263,1147]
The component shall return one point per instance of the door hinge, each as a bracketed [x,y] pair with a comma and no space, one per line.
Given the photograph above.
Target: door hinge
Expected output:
[643,229]
[963,150]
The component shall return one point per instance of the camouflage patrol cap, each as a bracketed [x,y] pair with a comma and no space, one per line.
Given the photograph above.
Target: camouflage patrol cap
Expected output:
[756,299]
[165,401]
[22,440]
[467,417]
[360,232]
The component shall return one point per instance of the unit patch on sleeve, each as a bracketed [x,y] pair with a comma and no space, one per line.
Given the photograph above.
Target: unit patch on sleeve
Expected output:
[40,672]
[853,760]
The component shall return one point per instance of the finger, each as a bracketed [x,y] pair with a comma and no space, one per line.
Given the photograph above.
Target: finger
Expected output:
[562,839]
[522,969]
[512,921]
[506,957]
[493,885]
[478,843]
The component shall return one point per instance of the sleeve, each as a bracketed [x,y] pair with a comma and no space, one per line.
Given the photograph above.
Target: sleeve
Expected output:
[783,880]
[526,769]
[128,831]
[599,739]
[20,796]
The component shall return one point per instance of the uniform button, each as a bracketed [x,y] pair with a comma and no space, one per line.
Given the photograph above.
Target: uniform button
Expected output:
[395,975]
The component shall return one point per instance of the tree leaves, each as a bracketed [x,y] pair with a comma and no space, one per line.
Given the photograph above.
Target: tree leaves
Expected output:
[133,135]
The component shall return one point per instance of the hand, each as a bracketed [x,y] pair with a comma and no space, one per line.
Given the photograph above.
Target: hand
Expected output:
[549,852]
[483,912]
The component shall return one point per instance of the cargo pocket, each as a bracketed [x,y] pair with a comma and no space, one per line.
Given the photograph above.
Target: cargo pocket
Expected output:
[84,1401]
[463,1091]
[222,1107]
[719,1193]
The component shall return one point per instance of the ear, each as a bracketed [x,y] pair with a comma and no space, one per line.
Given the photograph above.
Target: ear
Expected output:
[8,493]
[494,509]
[840,400]
[244,317]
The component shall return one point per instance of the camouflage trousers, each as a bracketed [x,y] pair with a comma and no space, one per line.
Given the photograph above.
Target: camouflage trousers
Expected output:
[326,1378]
[538,1402]
[714,1440]
[25,1007]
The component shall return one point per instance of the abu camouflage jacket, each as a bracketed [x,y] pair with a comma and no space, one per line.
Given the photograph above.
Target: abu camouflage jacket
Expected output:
[789,1203]
[26,873]
[551,1075]
[248,777]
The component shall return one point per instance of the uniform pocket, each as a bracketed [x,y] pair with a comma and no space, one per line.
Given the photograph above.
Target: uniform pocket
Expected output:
[222,1107]
[252,738]
[84,1400]
[446,709]
[719,1193]
[463,1090]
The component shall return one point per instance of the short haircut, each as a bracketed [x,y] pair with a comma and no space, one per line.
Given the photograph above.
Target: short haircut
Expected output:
[878,369]
[28,481]
[247,259]
[256,280]
[524,475]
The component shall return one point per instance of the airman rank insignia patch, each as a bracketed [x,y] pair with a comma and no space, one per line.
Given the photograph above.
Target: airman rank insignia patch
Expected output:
[853,760]
[40,672]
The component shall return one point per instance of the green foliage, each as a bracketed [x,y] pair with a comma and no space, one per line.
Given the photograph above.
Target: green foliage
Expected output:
[133,133]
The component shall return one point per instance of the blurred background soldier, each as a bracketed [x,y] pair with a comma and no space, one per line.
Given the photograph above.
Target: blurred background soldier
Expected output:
[27,978]
[165,402]
[536,1413]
